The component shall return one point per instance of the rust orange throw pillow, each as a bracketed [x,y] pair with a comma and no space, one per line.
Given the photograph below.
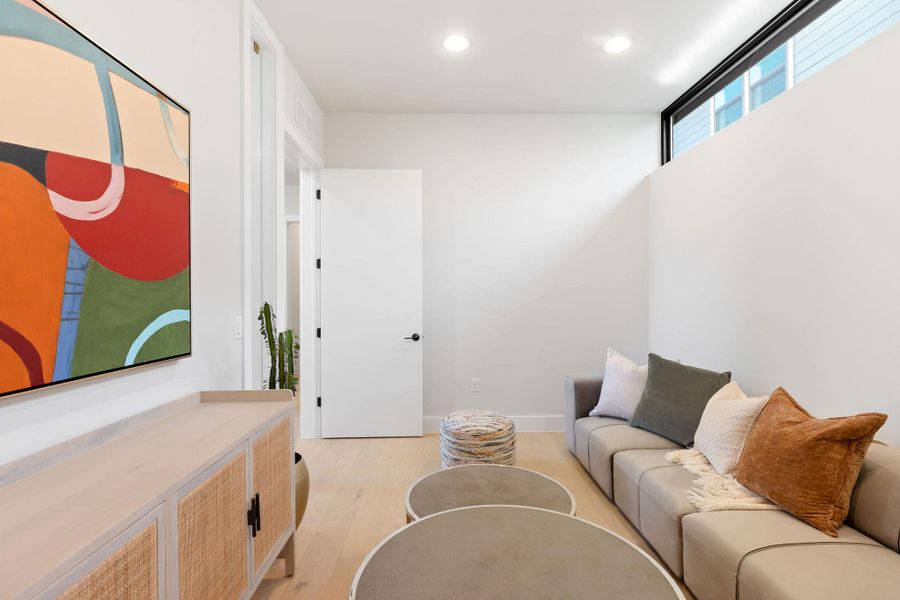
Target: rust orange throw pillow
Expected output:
[807,466]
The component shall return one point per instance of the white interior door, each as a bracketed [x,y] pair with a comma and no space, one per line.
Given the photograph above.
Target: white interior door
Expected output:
[371,303]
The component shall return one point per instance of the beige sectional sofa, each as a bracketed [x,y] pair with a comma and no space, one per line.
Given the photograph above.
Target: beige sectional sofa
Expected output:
[740,555]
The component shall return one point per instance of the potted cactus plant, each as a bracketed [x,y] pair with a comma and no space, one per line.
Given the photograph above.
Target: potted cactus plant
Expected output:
[283,347]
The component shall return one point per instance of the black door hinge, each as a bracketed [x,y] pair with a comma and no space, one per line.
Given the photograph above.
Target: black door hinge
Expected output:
[319,401]
[318,332]
[318,194]
[318,263]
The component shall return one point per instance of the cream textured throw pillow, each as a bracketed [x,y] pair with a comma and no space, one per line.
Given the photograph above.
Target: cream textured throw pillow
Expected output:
[623,384]
[724,426]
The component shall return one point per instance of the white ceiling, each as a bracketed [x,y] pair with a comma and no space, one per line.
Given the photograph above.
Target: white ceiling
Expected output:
[539,56]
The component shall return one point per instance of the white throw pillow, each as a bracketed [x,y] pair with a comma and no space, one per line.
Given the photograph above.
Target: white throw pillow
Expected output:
[623,384]
[724,426]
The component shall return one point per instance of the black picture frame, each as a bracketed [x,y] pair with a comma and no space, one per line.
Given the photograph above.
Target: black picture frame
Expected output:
[186,110]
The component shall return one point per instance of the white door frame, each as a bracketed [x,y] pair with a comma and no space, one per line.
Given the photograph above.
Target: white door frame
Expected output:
[310,423]
[255,30]
[255,27]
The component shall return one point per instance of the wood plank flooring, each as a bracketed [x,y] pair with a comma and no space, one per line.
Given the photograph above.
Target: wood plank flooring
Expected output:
[357,495]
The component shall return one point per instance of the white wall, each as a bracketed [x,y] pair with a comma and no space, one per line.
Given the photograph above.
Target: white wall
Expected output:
[293,277]
[775,246]
[190,50]
[535,255]
[292,200]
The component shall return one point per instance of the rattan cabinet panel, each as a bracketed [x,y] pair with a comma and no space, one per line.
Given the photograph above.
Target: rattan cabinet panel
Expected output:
[212,535]
[273,461]
[130,573]
[128,567]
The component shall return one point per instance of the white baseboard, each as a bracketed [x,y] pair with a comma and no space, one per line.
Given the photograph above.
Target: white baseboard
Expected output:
[522,422]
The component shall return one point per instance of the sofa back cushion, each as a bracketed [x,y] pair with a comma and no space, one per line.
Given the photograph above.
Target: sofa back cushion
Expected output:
[623,384]
[805,465]
[875,504]
[674,398]
[724,426]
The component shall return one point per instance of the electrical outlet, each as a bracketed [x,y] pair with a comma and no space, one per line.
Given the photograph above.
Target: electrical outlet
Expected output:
[238,328]
[476,385]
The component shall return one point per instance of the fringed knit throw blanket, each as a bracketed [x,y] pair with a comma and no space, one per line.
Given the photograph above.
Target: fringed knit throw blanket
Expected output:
[712,491]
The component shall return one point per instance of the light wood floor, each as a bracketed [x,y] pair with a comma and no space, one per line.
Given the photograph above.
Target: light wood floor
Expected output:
[357,495]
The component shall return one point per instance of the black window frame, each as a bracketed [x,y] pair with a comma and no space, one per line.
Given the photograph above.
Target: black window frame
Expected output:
[787,23]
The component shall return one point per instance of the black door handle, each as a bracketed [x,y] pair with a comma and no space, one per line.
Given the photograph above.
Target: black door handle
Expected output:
[257,517]
[414,337]
[251,517]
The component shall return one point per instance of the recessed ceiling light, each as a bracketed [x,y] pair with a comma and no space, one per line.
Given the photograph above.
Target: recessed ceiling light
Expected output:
[456,43]
[617,44]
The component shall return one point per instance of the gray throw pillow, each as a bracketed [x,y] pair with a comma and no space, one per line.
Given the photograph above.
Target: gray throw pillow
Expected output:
[674,399]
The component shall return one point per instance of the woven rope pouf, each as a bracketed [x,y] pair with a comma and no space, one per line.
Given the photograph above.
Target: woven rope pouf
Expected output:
[477,437]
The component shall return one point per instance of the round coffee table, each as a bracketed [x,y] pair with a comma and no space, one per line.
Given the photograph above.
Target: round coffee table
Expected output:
[476,485]
[509,552]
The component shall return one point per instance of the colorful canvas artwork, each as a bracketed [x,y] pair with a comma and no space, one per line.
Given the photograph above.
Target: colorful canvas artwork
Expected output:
[94,208]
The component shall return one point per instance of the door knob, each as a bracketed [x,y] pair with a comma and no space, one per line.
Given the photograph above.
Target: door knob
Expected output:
[414,337]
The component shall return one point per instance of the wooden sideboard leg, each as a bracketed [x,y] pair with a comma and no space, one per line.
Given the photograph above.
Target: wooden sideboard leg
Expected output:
[287,553]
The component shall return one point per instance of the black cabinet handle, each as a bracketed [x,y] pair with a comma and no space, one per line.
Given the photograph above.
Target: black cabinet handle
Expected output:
[258,517]
[251,516]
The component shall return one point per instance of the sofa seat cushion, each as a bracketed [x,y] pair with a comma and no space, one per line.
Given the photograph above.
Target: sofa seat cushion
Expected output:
[605,442]
[628,467]
[583,429]
[716,542]
[821,572]
[663,503]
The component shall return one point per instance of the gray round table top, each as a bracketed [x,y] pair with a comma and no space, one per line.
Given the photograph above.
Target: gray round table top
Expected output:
[477,485]
[509,553]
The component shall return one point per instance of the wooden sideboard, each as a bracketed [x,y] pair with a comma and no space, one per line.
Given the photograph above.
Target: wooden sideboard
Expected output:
[195,502]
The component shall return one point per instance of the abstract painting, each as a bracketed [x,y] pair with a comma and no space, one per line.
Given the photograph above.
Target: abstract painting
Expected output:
[94,208]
